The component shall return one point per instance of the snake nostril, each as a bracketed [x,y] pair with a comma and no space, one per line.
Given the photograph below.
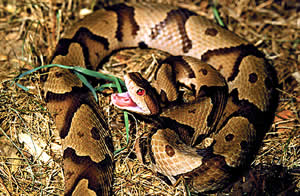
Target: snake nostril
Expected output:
[229,137]
[169,150]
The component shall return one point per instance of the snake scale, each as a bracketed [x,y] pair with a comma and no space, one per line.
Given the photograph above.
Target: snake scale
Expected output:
[208,141]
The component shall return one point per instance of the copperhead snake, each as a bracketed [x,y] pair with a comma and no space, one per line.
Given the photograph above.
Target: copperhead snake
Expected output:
[208,141]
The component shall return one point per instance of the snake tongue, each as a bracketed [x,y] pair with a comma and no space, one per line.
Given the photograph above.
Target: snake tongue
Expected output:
[122,100]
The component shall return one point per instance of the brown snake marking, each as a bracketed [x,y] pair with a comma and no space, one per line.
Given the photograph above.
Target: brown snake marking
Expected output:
[207,142]
[124,12]
[179,16]
[211,31]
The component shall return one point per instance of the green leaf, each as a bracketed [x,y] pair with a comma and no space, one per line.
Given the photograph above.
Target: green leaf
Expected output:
[87,84]
[125,120]
[77,71]
[217,16]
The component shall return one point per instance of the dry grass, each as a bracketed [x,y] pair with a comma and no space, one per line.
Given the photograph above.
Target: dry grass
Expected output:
[29,31]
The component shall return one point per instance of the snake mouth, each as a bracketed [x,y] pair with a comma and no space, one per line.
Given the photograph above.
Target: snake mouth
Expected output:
[124,101]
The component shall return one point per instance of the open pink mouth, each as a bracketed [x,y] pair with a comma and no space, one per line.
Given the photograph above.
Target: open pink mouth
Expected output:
[122,100]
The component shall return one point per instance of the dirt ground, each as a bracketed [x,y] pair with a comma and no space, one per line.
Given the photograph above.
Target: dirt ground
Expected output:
[30,160]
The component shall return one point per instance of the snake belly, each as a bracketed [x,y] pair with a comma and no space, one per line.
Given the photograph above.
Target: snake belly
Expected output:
[231,137]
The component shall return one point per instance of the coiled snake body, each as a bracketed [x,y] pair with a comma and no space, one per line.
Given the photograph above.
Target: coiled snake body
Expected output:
[210,138]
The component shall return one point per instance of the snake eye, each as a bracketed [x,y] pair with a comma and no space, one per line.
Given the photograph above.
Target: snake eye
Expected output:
[140,92]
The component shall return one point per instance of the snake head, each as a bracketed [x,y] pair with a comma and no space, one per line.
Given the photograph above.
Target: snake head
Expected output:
[140,98]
